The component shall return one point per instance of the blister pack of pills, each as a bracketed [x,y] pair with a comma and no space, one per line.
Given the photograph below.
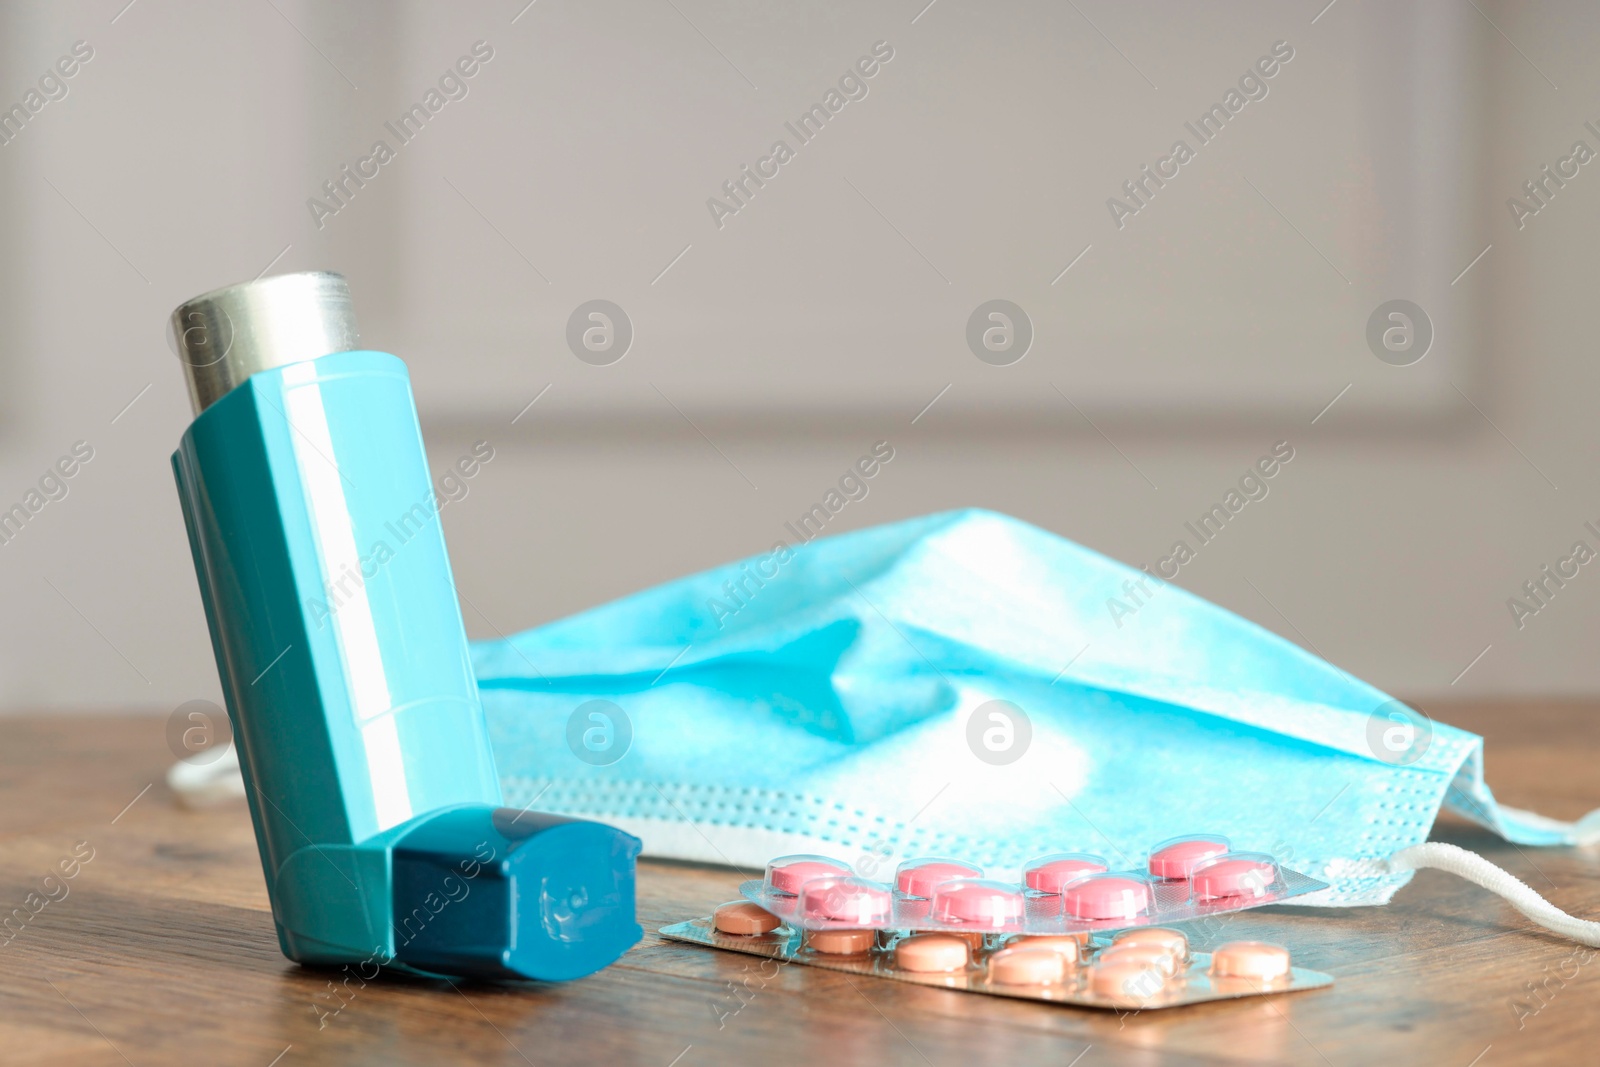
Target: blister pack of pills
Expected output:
[1068,893]
[1140,969]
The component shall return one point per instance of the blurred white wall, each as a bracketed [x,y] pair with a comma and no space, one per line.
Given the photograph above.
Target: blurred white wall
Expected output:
[826,315]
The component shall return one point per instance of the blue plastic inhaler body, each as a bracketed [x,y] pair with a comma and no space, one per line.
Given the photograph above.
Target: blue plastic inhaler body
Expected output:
[365,752]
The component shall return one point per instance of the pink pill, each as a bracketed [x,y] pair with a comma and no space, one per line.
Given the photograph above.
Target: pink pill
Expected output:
[1050,873]
[919,878]
[1175,859]
[1106,896]
[1237,875]
[848,900]
[991,904]
[787,874]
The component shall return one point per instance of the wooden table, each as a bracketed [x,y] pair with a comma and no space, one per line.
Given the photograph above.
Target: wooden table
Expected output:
[162,951]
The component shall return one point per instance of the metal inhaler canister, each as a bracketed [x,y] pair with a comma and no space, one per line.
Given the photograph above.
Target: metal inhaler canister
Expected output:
[363,744]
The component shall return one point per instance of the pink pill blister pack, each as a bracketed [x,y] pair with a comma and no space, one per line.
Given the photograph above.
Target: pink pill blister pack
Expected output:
[1067,893]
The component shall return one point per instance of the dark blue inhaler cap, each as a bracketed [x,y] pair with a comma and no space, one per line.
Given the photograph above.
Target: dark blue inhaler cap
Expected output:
[498,893]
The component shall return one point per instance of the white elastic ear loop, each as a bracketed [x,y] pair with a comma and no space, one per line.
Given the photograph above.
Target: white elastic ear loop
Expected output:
[1474,868]
[201,785]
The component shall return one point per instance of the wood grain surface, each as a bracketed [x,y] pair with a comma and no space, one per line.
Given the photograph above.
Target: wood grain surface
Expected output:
[162,951]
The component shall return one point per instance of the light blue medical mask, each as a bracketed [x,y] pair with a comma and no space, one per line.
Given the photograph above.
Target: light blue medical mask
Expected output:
[963,685]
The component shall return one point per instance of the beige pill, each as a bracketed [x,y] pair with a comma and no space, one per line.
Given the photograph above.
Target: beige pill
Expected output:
[1027,966]
[1068,946]
[1172,940]
[743,918]
[1156,956]
[1126,981]
[1250,959]
[931,952]
[841,942]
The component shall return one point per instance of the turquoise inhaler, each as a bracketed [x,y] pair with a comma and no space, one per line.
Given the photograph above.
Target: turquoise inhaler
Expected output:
[366,758]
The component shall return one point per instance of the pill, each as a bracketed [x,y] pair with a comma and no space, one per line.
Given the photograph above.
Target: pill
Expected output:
[931,952]
[1158,956]
[1106,896]
[1070,947]
[1126,981]
[1175,859]
[918,878]
[1250,959]
[743,918]
[840,942]
[1173,940]
[1027,966]
[850,900]
[789,873]
[1233,876]
[992,904]
[1051,873]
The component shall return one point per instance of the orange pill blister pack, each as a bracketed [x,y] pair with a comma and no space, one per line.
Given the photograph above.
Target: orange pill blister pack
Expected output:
[1140,969]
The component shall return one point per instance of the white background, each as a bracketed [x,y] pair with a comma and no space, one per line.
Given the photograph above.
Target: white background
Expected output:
[828,313]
